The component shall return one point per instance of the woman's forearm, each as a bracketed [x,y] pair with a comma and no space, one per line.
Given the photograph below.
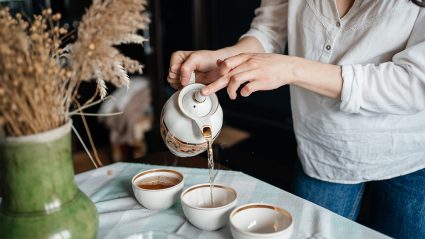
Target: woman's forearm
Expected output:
[321,78]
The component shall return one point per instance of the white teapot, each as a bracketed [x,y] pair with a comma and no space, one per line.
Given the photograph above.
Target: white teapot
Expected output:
[188,118]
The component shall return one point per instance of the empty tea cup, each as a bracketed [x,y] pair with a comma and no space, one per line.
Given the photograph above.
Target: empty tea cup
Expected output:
[198,209]
[260,220]
[157,189]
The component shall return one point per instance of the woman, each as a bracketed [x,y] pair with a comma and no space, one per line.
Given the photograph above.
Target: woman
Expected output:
[356,71]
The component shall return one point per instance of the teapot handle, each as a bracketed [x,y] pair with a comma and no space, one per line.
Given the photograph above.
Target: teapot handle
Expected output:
[192,79]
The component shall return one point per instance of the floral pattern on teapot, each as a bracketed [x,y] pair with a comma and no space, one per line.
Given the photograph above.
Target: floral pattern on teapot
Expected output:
[179,145]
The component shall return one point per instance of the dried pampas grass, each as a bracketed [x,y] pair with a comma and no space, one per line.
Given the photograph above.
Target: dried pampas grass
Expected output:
[31,80]
[39,79]
[105,24]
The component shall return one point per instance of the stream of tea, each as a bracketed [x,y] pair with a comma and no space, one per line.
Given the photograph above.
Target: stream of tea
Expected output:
[208,136]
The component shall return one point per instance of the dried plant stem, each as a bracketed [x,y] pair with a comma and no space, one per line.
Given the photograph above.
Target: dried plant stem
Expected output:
[87,106]
[89,101]
[97,114]
[67,35]
[84,146]
[96,156]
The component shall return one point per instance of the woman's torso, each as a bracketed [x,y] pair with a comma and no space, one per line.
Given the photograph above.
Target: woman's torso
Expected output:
[350,148]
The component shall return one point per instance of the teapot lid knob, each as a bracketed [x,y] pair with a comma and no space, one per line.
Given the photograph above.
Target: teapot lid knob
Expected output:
[194,105]
[199,97]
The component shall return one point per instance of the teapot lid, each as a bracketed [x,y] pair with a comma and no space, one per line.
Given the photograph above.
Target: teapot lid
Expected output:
[194,105]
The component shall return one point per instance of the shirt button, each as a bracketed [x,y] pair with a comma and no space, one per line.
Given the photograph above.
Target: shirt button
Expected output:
[338,24]
[328,47]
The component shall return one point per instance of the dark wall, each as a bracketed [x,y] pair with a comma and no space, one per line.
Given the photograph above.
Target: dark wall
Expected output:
[229,20]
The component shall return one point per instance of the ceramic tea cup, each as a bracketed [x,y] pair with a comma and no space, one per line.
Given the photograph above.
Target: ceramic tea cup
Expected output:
[197,207]
[260,220]
[157,189]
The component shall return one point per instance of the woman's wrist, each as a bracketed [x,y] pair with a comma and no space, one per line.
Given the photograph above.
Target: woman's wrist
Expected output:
[224,53]
[321,78]
[244,45]
[294,69]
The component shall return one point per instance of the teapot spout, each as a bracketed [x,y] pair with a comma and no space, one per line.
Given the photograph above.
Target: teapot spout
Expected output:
[204,125]
[207,132]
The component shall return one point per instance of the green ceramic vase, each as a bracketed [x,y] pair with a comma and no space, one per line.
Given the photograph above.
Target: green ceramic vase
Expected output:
[40,197]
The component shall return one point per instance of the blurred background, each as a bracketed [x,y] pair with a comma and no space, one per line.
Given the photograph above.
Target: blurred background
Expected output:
[257,137]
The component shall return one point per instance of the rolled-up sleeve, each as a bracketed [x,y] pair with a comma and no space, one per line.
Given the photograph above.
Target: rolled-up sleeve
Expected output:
[269,26]
[396,87]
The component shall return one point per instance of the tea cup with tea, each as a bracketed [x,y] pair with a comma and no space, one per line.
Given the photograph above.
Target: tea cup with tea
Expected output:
[157,189]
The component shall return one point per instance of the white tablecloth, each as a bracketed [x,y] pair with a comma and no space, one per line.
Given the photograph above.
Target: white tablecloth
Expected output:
[121,216]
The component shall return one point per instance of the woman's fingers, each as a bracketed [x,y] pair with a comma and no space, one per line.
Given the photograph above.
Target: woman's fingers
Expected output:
[177,59]
[173,79]
[238,79]
[223,74]
[174,83]
[233,79]
[172,76]
[252,87]
[190,65]
[215,86]
[232,62]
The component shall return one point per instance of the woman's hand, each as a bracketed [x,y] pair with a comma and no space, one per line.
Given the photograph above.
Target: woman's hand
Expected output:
[183,63]
[261,71]
[204,63]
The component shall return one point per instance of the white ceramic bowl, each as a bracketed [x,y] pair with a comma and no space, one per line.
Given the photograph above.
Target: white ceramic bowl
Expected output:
[158,199]
[196,204]
[260,220]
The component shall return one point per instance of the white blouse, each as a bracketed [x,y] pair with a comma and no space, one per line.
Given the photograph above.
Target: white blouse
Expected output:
[377,130]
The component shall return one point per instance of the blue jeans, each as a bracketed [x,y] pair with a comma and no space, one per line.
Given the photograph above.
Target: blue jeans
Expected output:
[396,207]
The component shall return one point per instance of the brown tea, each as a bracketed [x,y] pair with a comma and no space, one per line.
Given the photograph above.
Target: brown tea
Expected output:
[208,136]
[157,182]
